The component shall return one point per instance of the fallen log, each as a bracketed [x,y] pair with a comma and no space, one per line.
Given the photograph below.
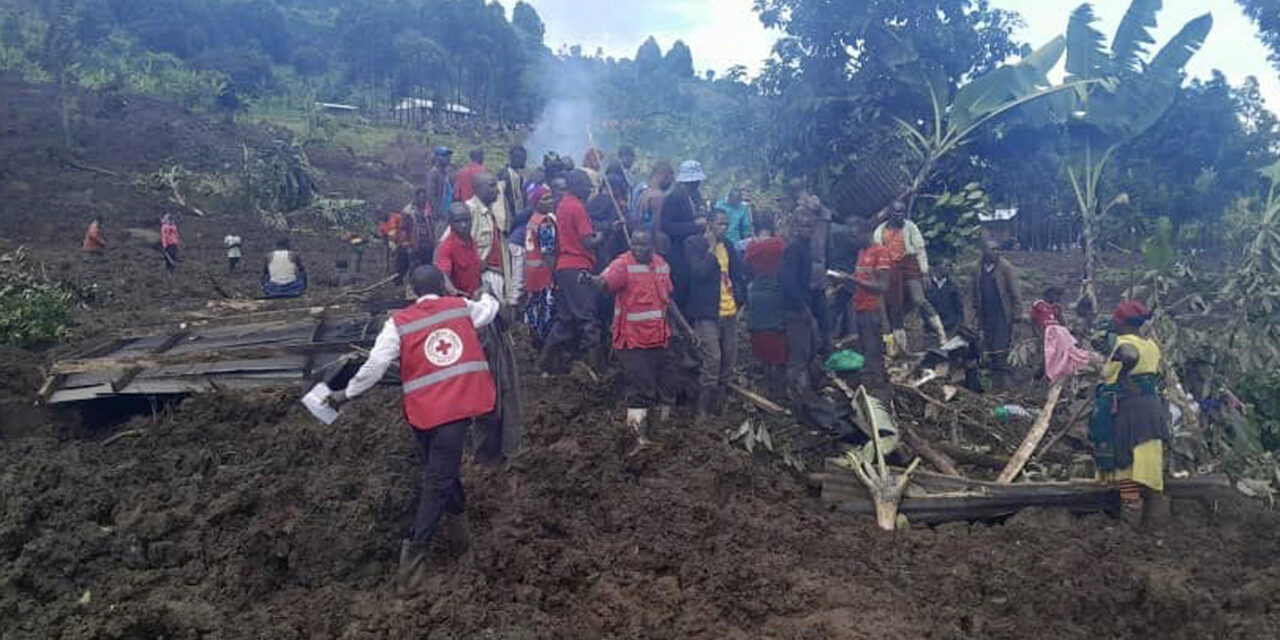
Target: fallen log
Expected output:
[939,460]
[759,400]
[1034,436]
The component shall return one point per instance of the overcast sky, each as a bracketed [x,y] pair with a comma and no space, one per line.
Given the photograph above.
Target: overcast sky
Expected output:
[723,33]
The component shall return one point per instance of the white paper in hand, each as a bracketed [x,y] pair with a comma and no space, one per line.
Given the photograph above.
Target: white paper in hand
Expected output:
[314,402]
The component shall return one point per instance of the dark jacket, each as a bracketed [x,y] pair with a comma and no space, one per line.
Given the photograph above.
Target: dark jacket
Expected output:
[703,302]
[1007,284]
[795,277]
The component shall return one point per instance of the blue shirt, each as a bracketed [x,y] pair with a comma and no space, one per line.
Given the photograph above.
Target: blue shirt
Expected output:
[739,220]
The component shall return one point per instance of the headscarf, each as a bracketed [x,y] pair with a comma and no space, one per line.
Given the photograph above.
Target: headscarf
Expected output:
[1130,313]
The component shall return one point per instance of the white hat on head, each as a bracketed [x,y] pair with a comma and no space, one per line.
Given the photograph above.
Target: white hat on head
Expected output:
[690,171]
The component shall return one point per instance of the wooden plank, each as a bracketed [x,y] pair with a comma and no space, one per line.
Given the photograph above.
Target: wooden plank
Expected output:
[80,394]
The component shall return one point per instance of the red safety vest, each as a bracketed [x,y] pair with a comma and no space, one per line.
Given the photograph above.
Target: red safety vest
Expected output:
[443,370]
[537,271]
[640,308]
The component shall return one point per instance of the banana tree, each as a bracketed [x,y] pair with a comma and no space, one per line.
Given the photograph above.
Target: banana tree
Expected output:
[977,103]
[1127,95]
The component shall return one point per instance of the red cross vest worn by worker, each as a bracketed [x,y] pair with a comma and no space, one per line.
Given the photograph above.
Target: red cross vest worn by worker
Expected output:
[443,370]
[537,270]
[640,308]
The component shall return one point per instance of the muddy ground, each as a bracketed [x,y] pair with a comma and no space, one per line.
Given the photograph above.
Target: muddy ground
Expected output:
[241,517]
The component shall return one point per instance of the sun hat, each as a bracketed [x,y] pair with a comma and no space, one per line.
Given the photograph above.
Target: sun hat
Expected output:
[690,171]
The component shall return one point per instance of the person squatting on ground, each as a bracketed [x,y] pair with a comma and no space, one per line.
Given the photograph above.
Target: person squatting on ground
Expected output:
[283,275]
[446,384]
[715,271]
[644,309]
[911,265]
[574,329]
[1129,425]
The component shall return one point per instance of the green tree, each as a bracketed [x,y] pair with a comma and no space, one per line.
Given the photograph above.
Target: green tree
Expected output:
[1126,98]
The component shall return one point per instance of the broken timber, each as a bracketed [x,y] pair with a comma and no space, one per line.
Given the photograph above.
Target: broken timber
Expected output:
[278,348]
[932,498]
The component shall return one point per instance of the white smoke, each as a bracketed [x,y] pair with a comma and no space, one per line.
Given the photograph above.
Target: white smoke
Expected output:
[568,111]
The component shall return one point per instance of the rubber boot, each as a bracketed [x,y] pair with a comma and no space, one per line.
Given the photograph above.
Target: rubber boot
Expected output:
[636,422]
[663,415]
[900,341]
[706,398]
[1156,511]
[936,322]
[413,566]
[457,530]
[718,401]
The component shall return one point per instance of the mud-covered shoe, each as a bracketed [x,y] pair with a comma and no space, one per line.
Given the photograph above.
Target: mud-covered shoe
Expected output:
[457,532]
[413,566]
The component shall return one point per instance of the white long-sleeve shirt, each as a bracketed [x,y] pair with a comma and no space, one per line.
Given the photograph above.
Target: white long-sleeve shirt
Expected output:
[386,349]
[913,239]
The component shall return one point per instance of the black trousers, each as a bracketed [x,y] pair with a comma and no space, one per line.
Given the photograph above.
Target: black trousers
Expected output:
[441,451]
[647,374]
[802,348]
[574,329]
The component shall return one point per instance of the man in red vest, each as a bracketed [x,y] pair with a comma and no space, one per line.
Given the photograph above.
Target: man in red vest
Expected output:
[643,309]
[446,383]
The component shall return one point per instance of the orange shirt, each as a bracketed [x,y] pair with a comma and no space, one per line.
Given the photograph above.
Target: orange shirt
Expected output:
[895,240]
[870,260]
[93,241]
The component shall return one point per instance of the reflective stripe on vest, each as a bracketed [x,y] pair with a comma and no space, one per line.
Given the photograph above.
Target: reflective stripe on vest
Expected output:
[644,268]
[430,321]
[533,263]
[645,315]
[444,374]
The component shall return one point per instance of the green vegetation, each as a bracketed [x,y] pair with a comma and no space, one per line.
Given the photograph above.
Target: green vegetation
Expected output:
[33,312]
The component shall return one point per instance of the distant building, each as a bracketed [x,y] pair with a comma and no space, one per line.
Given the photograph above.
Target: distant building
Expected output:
[417,110]
[339,110]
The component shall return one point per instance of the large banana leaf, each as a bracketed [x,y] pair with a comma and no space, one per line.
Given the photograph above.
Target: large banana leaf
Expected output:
[1178,51]
[874,418]
[1134,34]
[1086,56]
[989,92]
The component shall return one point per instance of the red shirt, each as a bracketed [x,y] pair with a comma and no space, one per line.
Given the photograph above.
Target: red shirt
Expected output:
[764,256]
[462,186]
[642,292]
[870,261]
[572,225]
[458,259]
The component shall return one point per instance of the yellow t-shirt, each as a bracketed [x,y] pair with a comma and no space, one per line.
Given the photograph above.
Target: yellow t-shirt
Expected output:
[1148,358]
[728,306]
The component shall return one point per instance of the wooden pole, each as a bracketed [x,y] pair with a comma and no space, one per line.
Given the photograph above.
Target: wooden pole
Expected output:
[591,142]
[1034,436]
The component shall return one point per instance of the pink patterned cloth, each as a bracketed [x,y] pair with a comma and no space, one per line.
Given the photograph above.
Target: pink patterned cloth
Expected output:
[1061,355]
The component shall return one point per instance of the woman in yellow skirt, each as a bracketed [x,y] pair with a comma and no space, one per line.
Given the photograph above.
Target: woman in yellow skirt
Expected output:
[1130,425]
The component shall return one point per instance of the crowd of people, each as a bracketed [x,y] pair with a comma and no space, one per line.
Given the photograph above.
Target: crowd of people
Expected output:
[604,268]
